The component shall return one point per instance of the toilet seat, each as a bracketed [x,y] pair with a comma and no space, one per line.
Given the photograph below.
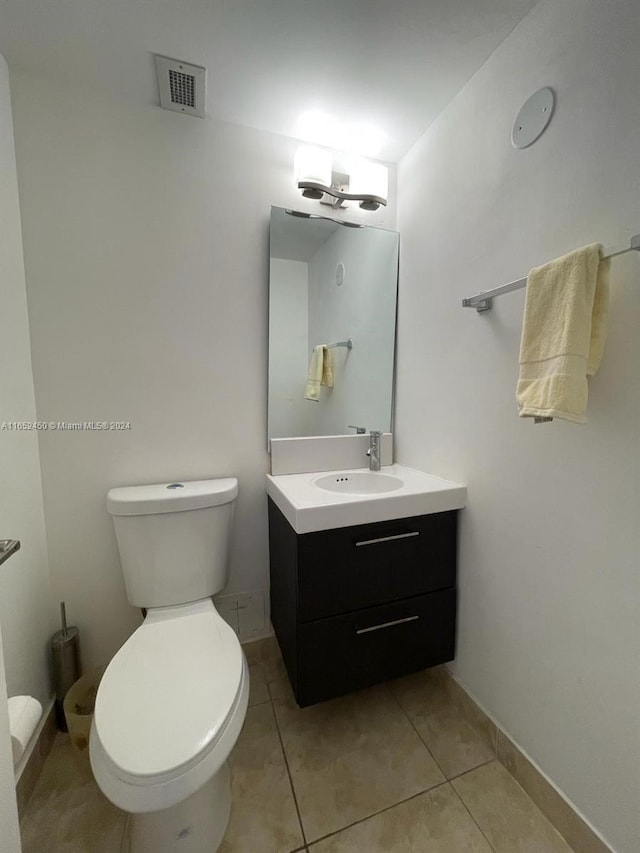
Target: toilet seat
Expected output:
[169,708]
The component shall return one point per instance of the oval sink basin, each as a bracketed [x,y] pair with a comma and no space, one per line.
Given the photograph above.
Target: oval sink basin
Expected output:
[358,483]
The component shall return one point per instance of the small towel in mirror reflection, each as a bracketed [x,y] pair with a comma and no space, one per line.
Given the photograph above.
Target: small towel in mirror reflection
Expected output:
[320,372]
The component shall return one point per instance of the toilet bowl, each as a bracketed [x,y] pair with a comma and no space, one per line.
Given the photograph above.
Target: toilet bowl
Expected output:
[173,700]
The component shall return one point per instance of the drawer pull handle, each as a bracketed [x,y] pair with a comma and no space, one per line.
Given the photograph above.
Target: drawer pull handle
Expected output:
[388,538]
[386,625]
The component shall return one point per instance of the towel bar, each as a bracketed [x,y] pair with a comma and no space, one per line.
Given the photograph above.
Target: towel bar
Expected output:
[484,301]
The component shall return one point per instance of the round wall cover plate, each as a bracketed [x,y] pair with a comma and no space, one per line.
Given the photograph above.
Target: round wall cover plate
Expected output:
[339,274]
[533,118]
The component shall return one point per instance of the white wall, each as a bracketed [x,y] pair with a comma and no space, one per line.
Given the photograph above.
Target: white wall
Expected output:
[550,543]
[146,239]
[26,611]
[9,827]
[363,309]
[289,347]
[25,606]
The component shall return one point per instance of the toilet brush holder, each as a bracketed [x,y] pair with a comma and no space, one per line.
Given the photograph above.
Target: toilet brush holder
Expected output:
[65,662]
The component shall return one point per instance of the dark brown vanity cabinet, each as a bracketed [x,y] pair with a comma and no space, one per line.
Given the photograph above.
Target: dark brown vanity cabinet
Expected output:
[358,605]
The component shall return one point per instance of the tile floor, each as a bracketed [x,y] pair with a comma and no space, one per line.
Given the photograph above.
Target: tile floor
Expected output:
[397,768]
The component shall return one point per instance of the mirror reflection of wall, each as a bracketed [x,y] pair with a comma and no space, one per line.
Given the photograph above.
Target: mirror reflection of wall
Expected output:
[330,283]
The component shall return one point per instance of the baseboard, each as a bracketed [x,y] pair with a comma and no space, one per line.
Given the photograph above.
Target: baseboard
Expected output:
[256,650]
[30,765]
[555,806]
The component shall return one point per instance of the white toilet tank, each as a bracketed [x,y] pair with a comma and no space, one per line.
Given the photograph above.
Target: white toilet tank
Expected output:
[173,539]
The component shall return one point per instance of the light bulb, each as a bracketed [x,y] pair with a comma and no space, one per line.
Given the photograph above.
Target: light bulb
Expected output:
[368,178]
[313,165]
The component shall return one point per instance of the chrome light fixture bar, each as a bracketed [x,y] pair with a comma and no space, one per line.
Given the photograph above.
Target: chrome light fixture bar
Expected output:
[368,201]
[367,184]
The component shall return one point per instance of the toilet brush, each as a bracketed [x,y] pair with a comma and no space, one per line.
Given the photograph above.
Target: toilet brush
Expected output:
[65,661]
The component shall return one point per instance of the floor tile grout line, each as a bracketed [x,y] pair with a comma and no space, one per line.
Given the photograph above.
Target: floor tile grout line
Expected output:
[471,769]
[446,780]
[422,740]
[381,811]
[426,746]
[468,810]
[523,791]
[526,794]
[449,781]
[367,817]
[124,841]
[286,764]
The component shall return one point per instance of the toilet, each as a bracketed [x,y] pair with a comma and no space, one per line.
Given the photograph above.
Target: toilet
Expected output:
[173,700]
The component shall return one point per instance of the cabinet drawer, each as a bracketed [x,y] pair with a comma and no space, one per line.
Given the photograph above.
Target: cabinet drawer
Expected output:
[355,567]
[359,649]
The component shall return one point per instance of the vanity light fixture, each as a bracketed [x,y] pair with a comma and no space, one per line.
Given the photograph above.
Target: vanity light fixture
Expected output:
[367,183]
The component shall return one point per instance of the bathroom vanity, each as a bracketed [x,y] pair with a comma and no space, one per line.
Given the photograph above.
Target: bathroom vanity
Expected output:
[363,562]
[353,603]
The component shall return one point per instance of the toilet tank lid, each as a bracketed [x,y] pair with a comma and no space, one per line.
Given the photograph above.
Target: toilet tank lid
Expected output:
[171,497]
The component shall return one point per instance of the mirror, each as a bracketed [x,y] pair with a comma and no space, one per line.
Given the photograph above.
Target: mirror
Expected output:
[332,284]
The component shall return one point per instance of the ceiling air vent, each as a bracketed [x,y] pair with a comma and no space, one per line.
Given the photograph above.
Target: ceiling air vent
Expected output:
[182,86]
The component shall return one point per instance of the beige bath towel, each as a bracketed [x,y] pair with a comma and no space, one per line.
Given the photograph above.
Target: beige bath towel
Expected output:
[320,372]
[563,334]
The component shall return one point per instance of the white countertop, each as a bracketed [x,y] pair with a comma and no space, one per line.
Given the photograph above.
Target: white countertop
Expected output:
[308,508]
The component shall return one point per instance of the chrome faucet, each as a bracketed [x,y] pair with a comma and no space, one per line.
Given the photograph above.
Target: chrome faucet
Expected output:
[374,450]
